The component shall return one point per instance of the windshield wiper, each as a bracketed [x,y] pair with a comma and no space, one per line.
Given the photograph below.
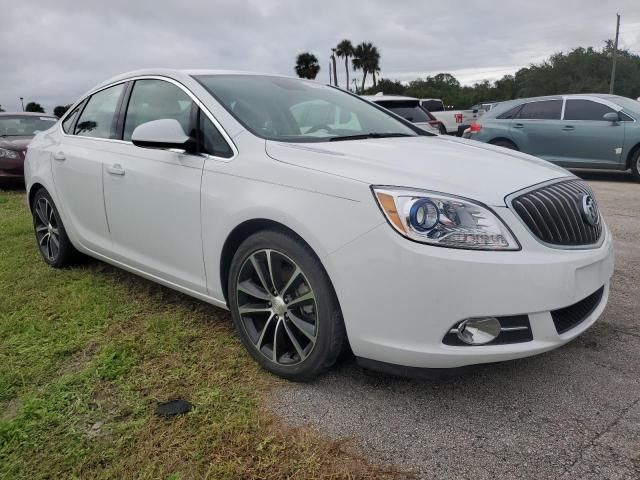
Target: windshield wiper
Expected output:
[362,136]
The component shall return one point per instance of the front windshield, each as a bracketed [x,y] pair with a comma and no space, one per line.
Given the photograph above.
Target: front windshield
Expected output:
[23,125]
[627,103]
[291,110]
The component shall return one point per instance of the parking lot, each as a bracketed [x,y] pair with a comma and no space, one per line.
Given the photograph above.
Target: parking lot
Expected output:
[571,413]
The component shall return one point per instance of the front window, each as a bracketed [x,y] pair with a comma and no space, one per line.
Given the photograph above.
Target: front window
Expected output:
[585,110]
[24,125]
[292,110]
[154,100]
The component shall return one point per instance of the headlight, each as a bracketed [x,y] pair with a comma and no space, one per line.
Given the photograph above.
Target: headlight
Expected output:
[4,153]
[443,220]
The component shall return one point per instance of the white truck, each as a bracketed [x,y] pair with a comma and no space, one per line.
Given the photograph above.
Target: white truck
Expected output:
[454,121]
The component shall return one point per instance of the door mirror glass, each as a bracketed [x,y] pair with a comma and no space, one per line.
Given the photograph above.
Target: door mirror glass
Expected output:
[163,134]
[611,117]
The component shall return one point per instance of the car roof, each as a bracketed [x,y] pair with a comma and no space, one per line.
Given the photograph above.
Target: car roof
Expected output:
[26,114]
[183,73]
[388,98]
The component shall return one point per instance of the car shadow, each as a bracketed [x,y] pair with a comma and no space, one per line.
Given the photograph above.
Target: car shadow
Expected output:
[12,186]
[604,175]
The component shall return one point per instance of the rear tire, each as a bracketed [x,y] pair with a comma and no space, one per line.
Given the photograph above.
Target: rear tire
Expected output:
[283,306]
[635,164]
[53,243]
[504,143]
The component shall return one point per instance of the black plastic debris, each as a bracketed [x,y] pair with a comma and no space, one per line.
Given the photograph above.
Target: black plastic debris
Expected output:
[173,407]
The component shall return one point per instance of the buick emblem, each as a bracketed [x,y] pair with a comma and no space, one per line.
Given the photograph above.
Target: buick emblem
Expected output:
[590,210]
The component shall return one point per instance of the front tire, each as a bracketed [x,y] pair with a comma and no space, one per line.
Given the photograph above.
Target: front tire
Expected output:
[53,243]
[283,306]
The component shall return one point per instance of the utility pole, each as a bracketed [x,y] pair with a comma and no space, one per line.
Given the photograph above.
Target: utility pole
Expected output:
[615,52]
[22,102]
[329,72]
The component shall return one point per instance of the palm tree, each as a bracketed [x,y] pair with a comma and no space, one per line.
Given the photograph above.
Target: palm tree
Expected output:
[345,50]
[366,57]
[307,65]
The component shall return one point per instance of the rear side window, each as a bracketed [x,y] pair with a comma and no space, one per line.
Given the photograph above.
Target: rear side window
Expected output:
[585,110]
[212,142]
[156,100]
[67,125]
[433,105]
[410,111]
[97,117]
[511,113]
[544,110]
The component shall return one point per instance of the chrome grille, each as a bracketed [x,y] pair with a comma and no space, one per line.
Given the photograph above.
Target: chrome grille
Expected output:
[557,215]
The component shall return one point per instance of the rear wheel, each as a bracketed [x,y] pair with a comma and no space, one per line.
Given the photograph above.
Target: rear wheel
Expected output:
[54,244]
[635,164]
[504,143]
[283,306]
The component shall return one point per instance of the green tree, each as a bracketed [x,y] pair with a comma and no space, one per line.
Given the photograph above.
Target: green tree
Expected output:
[345,50]
[1,109]
[34,107]
[307,65]
[388,87]
[60,110]
[366,57]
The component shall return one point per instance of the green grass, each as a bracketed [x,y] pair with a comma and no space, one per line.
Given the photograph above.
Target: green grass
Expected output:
[86,354]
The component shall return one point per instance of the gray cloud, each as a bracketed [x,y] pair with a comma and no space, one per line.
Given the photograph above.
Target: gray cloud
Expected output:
[53,51]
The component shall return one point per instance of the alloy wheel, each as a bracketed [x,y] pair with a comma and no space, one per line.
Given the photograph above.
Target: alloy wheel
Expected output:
[47,229]
[277,307]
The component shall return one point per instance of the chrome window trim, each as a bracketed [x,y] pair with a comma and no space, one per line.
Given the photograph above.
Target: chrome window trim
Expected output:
[195,99]
[511,196]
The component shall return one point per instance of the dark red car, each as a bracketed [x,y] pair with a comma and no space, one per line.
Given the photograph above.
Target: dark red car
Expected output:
[16,131]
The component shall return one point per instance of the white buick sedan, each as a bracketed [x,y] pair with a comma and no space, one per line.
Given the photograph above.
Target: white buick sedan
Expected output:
[321,221]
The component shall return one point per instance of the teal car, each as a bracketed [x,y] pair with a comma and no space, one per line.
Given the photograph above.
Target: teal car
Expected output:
[574,131]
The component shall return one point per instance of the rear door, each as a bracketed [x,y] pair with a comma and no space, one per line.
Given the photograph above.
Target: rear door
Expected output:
[587,139]
[152,196]
[88,141]
[536,128]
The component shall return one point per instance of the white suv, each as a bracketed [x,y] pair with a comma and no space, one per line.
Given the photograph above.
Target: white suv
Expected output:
[417,250]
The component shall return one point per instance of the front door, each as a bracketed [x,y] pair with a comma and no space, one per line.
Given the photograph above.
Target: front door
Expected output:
[152,196]
[588,139]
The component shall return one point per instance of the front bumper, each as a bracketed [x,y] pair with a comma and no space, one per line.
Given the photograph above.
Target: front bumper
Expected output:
[12,168]
[399,298]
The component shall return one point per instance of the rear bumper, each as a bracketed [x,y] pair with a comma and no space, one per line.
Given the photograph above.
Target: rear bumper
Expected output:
[400,298]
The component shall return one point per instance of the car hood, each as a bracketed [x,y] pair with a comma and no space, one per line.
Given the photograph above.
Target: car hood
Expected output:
[461,167]
[15,143]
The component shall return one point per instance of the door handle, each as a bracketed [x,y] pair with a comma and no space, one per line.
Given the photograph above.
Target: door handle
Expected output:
[59,156]
[115,169]
[518,125]
[568,128]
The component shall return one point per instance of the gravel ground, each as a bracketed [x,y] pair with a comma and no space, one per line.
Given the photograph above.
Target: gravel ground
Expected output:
[572,413]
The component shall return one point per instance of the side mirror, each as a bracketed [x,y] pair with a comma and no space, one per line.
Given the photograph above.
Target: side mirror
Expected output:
[611,117]
[164,134]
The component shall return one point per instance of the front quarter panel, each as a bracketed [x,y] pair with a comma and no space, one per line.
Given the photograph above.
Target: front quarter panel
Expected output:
[255,186]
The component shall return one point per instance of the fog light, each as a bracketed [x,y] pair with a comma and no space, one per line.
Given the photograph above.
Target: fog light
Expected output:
[478,331]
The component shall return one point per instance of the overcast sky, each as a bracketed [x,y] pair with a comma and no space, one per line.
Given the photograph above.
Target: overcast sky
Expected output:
[53,51]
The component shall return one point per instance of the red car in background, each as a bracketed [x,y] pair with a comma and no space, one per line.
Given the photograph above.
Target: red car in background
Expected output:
[16,131]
